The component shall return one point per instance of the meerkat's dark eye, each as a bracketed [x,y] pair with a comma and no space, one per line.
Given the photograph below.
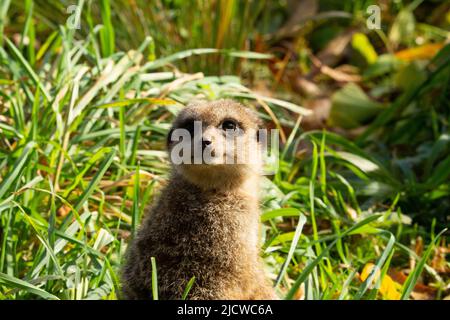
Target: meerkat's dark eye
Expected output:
[229,125]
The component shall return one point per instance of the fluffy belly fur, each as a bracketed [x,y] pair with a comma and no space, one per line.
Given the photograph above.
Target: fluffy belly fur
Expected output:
[211,236]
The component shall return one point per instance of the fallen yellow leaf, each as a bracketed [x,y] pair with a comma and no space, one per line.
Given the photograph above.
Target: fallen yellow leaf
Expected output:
[389,289]
[144,176]
[425,51]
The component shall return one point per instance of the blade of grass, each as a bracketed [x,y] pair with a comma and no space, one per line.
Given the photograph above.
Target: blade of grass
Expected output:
[378,266]
[4,6]
[298,232]
[17,169]
[136,201]
[28,68]
[95,181]
[154,279]
[107,39]
[188,288]
[413,277]
[283,212]
[310,267]
[13,282]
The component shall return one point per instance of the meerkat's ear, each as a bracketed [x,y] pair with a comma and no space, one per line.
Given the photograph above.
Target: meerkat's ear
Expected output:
[256,120]
[254,116]
[195,102]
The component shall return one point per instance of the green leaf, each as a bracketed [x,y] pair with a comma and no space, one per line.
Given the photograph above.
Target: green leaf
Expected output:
[402,29]
[385,64]
[409,75]
[361,43]
[437,65]
[351,107]
[441,172]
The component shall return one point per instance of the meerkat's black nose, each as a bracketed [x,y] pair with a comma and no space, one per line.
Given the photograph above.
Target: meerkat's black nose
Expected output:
[205,143]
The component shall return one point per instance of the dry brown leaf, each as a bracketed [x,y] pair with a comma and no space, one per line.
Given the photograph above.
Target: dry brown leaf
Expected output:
[300,293]
[416,295]
[439,261]
[321,111]
[420,288]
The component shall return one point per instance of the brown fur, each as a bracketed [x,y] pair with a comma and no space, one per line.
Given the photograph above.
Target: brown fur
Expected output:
[205,224]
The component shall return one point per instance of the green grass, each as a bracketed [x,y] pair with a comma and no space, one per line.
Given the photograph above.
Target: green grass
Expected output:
[222,24]
[82,138]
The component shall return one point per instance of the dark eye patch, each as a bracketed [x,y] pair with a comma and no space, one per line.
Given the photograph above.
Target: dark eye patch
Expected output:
[230,124]
[188,124]
[169,137]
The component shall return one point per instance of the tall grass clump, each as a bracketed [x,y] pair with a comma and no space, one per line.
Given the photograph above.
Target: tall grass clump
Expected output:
[172,25]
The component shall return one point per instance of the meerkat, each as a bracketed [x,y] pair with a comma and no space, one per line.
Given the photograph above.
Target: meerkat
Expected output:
[205,223]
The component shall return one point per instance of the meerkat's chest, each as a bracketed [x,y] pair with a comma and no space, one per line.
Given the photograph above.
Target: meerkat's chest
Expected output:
[215,216]
[219,225]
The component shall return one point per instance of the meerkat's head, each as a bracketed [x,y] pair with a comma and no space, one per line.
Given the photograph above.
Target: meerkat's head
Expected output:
[215,144]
